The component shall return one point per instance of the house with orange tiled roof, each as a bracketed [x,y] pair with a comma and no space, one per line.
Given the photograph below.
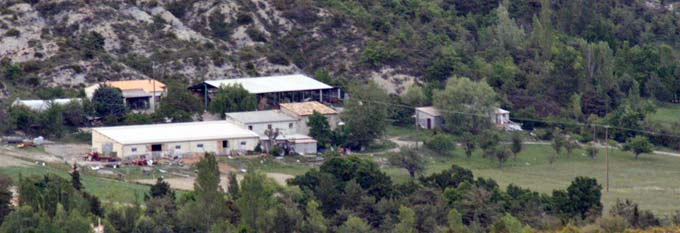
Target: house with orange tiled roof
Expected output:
[303,110]
[140,95]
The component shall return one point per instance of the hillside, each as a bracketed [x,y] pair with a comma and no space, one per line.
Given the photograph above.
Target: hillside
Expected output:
[571,60]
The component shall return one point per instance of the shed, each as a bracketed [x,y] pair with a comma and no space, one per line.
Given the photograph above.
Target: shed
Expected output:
[303,110]
[429,118]
[259,121]
[161,140]
[299,143]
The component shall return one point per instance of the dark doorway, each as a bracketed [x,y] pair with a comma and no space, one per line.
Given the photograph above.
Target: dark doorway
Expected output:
[429,123]
[225,144]
[156,147]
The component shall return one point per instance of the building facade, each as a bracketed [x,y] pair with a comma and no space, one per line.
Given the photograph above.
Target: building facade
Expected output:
[176,139]
[139,95]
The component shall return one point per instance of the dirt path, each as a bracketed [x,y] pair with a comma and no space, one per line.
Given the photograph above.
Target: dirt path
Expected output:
[401,143]
[11,161]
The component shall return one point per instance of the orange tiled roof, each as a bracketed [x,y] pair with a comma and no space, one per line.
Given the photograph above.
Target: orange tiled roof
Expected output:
[146,85]
[307,108]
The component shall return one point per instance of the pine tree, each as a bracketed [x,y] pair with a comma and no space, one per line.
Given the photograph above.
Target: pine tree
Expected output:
[255,198]
[314,221]
[75,178]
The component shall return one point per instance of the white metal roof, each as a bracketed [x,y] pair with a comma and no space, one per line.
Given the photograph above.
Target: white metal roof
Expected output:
[175,132]
[272,84]
[260,116]
[41,105]
[430,110]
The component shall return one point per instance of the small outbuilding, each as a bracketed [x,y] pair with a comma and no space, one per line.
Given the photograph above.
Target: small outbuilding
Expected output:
[428,118]
[42,105]
[175,139]
[293,143]
[260,121]
[302,111]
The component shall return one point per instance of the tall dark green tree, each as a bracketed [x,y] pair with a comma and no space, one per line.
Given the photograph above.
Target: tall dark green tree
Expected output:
[363,128]
[209,204]
[319,129]
[232,98]
[108,103]
[255,199]
[179,105]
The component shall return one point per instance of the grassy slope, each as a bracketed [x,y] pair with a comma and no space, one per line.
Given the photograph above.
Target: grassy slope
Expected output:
[650,181]
[666,114]
[105,189]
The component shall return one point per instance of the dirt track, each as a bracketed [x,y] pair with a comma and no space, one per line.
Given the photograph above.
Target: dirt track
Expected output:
[187,183]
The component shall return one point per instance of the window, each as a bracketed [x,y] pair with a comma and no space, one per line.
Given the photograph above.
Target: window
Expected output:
[269,126]
[177,147]
[225,144]
[243,143]
[290,125]
[250,127]
[134,149]
[199,145]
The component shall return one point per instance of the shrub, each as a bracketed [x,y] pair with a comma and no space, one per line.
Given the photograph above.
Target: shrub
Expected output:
[255,34]
[277,57]
[13,32]
[243,18]
[441,143]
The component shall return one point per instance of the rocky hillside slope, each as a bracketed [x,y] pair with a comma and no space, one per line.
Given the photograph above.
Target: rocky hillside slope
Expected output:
[71,43]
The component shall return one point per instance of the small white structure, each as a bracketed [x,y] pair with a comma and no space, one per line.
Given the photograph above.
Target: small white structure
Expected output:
[260,121]
[139,95]
[299,143]
[42,105]
[302,111]
[428,118]
[160,140]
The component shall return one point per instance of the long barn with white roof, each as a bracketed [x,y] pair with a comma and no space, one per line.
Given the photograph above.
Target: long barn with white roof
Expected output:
[164,140]
[274,89]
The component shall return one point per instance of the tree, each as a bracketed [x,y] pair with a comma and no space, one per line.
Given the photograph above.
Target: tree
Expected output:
[409,159]
[233,186]
[406,221]
[179,105]
[501,153]
[314,220]
[591,150]
[75,178]
[508,34]
[638,145]
[463,95]
[108,103]
[557,144]
[5,197]
[320,129]
[455,222]
[637,218]
[232,98]
[363,128]
[255,198]
[468,144]
[442,144]
[354,225]
[516,144]
[570,145]
[52,120]
[414,96]
[133,118]
[160,189]
[507,224]
[209,203]
[581,200]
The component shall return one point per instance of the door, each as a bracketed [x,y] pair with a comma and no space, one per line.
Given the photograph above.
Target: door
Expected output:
[429,123]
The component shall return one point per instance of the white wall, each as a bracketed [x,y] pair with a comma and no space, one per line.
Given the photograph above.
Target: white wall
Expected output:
[283,127]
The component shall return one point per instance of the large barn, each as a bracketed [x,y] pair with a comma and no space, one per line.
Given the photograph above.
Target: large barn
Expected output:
[274,89]
[164,140]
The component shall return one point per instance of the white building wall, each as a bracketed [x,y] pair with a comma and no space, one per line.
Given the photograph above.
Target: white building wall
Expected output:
[421,120]
[286,127]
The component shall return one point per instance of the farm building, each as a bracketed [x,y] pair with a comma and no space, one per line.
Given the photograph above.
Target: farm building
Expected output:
[139,95]
[293,143]
[272,90]
[42,105]
[302,111]
[430,118]
[259,121]
[161,140]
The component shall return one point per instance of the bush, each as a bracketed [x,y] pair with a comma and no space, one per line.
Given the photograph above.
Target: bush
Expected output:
[612,224]
[243,18]
[255,34]
[13,32]
[441,144]
[277,57]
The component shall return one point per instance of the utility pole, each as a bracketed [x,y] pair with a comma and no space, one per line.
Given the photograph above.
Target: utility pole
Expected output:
[606,156]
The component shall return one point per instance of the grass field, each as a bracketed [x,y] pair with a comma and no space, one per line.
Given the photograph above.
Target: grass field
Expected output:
[666,114]
[651,181]
[105,189]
